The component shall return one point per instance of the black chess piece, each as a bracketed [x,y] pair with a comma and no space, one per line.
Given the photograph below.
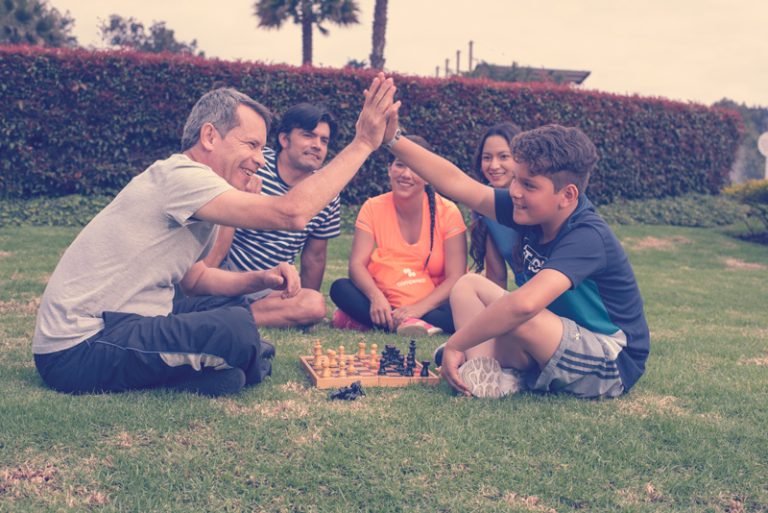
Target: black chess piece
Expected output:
[424,369]
[349,393]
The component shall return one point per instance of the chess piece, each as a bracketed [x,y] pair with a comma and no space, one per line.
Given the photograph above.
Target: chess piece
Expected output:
[382,367]
[342,367]
[341,353]
[374,363]
[332,358]
[424,369]
[351,364]
[374,348]
[361,350]
[326,367]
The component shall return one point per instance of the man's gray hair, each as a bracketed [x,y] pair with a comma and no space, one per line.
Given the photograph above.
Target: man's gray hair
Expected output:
[219,107]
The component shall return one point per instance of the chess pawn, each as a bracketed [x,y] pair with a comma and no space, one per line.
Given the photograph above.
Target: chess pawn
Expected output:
[326,367]
[374,348]
[341,353]
[342,367]
[351,364]
[361,350]
[374,365]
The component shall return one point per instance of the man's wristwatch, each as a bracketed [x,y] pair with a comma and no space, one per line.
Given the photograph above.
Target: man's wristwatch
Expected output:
[388,145]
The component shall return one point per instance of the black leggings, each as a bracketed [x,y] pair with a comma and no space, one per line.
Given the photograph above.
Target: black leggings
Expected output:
[351,300]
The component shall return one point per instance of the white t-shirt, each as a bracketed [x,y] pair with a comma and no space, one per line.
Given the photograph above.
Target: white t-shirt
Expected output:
[128,258]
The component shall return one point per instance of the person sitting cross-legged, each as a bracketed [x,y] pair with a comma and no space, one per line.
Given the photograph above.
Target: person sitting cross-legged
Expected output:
[576,324]
[408,250]
[303,136]
[109,320]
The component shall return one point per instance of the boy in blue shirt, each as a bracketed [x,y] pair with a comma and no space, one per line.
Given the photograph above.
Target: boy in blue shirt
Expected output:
[576,324]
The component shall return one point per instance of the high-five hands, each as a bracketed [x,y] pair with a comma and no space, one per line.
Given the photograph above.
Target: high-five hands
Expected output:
[377,108]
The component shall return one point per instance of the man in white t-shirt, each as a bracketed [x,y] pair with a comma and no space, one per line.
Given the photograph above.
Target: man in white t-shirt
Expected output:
[108,320]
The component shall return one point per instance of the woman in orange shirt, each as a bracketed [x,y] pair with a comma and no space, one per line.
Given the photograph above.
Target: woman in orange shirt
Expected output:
[408,250]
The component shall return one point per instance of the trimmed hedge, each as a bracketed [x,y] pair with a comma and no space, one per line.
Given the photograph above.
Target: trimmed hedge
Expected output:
[75,121]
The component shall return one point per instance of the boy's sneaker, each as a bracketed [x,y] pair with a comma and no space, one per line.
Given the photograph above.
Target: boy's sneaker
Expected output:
[437,356]
[342,321]
[416,328]
[485,378]
[212,383]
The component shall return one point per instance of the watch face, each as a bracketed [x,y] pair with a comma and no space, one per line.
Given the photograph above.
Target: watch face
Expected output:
[762,144]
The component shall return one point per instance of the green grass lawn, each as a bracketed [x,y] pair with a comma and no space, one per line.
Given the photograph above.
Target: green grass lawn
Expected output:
[691,436]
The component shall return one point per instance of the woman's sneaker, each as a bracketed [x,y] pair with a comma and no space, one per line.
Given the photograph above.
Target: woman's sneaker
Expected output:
[416,328]
[484,378]
[342,321]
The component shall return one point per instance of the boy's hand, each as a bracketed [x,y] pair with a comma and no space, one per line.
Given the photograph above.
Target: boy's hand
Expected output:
[452,360]
[393,122]
[372,121]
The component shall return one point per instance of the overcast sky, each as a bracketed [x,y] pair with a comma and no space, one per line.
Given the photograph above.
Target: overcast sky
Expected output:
[692,50]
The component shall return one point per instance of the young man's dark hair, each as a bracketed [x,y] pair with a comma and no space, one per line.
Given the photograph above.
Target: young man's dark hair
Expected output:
[305,116]
[563,154]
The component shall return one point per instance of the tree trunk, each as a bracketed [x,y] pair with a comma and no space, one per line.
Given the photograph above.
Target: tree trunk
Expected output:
[379,34]
[307,20]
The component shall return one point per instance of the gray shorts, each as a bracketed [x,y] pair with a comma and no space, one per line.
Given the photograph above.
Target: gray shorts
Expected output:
[583,365]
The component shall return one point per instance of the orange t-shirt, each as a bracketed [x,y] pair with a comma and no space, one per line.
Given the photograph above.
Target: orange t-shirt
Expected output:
[379,218]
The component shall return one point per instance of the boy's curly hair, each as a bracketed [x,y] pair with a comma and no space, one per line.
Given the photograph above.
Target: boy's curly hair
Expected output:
[564,154]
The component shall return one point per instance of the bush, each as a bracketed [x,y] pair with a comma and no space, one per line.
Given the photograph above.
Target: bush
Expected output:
[86,122]
[754,194]
[73,210]
[697,210]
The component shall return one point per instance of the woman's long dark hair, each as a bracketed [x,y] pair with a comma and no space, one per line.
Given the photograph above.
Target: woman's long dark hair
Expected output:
[430,192]
[478,230]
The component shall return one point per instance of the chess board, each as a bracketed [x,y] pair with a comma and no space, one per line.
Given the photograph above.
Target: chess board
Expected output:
[364,374]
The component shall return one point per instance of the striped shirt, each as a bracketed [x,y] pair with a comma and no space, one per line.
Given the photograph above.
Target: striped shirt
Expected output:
[257,250]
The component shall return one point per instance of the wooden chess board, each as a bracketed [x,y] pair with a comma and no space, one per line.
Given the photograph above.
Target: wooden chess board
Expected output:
[364,374]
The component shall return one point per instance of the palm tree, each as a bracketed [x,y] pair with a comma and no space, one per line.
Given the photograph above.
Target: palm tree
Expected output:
[307,13]
[379,34]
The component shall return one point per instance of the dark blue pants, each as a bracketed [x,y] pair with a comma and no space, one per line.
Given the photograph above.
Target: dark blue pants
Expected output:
[351,300]
[134,352]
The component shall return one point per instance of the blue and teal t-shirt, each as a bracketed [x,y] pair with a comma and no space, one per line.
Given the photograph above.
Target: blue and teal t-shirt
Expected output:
[604,296]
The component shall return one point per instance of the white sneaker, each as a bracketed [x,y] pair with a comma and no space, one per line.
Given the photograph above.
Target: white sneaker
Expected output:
[482,376]
[512,381]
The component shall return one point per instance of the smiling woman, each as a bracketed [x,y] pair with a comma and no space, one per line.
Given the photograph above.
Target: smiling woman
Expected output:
[408,250]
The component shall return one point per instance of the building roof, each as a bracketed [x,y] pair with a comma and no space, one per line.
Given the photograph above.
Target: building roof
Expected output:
[517,73]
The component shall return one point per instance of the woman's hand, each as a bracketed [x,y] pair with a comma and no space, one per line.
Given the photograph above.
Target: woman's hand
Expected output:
[406,312]
[381,312]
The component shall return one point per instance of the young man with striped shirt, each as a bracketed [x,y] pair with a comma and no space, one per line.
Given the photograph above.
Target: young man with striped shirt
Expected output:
[303,136]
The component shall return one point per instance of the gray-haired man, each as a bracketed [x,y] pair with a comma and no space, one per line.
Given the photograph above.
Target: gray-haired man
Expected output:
[107,320]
